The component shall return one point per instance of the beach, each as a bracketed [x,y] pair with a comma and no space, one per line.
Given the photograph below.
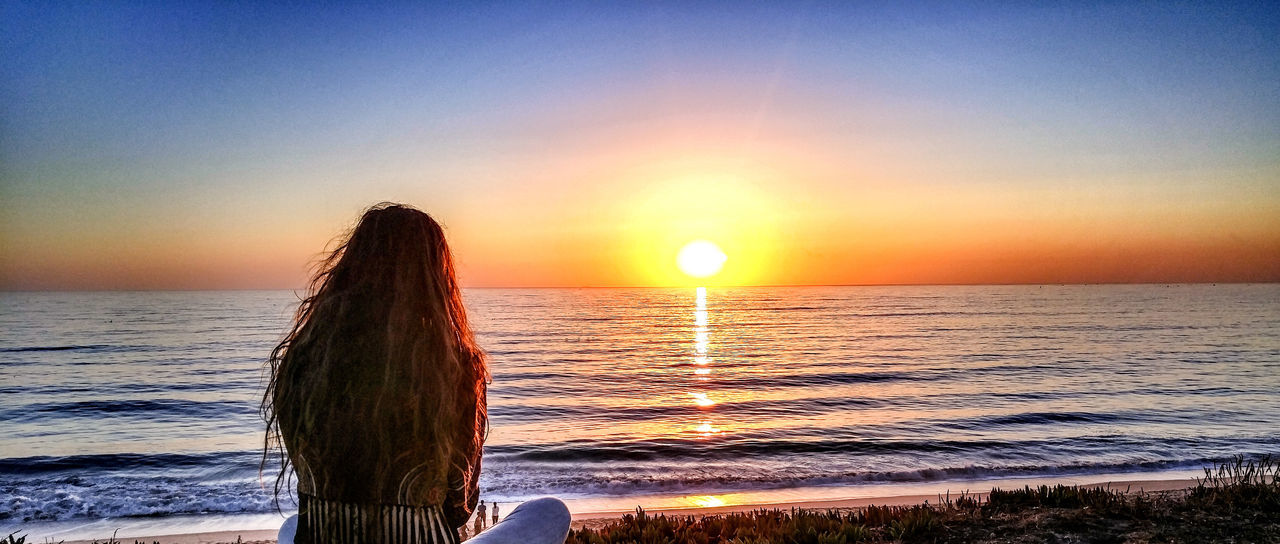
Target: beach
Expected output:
[600,519]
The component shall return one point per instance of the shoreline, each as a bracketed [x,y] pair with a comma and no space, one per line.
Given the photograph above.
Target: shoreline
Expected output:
[593,519]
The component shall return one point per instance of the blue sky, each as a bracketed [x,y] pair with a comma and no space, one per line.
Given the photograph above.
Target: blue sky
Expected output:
[141,125]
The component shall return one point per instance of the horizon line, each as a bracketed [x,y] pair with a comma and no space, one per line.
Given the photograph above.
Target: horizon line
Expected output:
[752,286]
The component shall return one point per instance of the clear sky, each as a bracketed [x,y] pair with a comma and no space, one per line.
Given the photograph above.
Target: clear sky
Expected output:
[221,145]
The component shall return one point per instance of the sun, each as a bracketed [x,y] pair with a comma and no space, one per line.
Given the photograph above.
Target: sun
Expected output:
[700,259]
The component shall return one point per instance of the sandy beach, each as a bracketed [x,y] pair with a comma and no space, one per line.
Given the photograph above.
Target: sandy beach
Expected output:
[597,519]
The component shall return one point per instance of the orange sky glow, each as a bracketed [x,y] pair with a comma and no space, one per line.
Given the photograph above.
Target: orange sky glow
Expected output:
[902,153]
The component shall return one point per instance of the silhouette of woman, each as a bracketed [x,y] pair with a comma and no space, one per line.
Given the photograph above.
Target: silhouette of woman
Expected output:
[376,399]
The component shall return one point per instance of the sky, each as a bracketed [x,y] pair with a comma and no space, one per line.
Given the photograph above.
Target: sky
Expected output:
[151,145]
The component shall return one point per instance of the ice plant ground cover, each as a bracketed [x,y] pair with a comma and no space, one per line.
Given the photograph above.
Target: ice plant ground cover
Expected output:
[1234,502]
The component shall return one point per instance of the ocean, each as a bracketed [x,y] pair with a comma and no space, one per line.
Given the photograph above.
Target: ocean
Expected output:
[139,410]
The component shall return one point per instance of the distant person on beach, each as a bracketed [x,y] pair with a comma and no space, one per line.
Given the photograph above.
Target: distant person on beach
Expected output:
[480,514]
[376,399]
[495,512]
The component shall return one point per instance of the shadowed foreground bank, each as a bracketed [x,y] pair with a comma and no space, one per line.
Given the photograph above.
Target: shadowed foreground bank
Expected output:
[1236,502]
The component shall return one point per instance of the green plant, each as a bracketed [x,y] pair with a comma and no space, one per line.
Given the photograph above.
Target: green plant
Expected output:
[918,524]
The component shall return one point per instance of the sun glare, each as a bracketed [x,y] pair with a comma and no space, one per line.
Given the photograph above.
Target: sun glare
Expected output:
[701,400]
[700,259]
[706,501]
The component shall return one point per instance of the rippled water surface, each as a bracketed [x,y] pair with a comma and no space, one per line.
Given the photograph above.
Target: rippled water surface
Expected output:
[145,403]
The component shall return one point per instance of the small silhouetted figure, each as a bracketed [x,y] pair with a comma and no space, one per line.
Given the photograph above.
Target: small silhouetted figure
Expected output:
[495,512]
[478,526]
[481,513]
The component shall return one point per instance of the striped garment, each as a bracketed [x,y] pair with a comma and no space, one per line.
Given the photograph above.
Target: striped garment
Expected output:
[323,521]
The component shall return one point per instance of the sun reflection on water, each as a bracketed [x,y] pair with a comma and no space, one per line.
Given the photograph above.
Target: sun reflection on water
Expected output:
[700,341]
[702,361]
[705,501]
[706,429]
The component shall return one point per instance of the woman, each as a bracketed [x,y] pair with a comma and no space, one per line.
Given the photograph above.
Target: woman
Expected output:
[376,400]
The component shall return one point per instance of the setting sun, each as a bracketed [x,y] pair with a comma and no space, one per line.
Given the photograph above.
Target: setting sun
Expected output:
[700,259]
[735,259]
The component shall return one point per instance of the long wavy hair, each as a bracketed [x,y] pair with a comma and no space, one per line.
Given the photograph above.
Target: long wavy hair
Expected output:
[380,384]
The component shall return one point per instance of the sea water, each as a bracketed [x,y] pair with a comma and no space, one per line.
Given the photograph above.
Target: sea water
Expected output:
[140,409]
